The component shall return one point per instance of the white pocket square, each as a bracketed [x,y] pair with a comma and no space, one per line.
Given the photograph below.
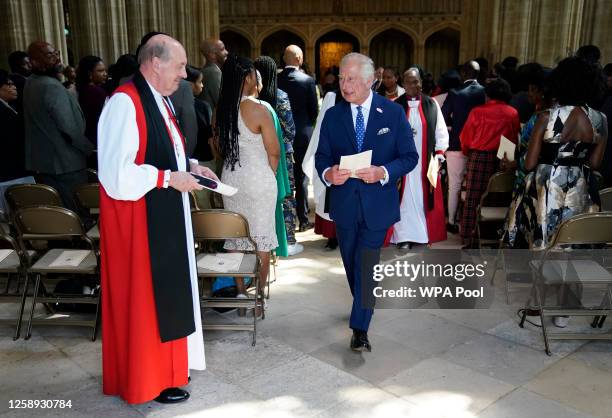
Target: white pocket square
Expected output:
[383,131]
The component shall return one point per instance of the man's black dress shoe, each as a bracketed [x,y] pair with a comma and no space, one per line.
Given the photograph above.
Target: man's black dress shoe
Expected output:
[172,395]
[332,243]
[359,341]
[407,245]
[452,228]
[305,226]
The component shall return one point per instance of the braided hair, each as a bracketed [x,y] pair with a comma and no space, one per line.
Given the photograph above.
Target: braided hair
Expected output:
[267,67]
[233,73]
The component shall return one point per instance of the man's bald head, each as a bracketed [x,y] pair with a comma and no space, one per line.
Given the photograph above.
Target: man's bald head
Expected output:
[162,62]
[293,55]
[158,46]
[470,70]
[45,59]
[214,51]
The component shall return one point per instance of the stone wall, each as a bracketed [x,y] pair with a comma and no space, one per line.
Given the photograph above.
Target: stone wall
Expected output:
[108,28]
[533,30]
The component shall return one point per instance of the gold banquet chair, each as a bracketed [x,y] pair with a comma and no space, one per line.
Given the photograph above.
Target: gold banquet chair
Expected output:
[13,262]
[493,208]
[585,230]
[88,198]
[606,199]
[220,225]
[62,226]
[24,195]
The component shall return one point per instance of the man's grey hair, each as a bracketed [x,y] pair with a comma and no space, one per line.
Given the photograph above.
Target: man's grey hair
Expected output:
[151,49]
[365,62]
[415,70]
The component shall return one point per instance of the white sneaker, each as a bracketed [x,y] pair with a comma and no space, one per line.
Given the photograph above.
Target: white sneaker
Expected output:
[561,321]
[294,249]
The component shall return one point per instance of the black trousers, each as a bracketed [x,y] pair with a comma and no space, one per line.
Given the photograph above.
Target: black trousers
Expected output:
[301,186]
[65,184]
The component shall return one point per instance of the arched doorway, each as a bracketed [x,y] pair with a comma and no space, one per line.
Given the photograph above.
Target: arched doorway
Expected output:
[392,48]
[236,43]
[330,48]
[442,51]
[274,45]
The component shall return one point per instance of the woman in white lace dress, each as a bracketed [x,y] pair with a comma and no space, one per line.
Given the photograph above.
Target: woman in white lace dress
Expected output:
[248,143]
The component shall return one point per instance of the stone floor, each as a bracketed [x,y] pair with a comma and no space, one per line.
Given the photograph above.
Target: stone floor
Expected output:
[425,363]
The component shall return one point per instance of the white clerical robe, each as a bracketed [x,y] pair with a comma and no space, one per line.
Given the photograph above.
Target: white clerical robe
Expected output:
[124,180]
[412,226]
[309,158]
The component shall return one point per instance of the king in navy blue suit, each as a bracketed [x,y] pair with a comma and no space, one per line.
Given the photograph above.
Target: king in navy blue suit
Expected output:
[363,208]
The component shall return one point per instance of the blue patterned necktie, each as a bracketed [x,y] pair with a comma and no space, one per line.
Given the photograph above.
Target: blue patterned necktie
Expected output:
[359,129]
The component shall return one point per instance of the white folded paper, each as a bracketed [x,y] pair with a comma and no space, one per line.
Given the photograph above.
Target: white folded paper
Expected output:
[219,187]
[432,171]
[4,254]
[69,258]
[356,162]
[221,262]
[225,189]
[506,146]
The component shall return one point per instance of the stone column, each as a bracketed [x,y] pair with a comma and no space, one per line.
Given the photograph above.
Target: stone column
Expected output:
[419,51]
[24,21]
[190,21]
[600,32]
[99,27]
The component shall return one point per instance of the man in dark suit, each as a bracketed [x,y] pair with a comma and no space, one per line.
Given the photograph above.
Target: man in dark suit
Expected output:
[303,98]
[56,147]
[21,68]
[456,108]
[182,100]
[363,208]
[213,50]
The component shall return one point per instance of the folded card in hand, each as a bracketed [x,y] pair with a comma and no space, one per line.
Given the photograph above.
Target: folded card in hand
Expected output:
[356,162]
[506,147]
[215,186]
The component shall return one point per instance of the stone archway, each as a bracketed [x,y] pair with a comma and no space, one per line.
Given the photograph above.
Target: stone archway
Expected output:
[392,48]
[442,51]
[330,48]
[236,43]
[274,45]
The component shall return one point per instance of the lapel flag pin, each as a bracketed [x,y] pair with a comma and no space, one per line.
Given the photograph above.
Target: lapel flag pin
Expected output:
[379,110]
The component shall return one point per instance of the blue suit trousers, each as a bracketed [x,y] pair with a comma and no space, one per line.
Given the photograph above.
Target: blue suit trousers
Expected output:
[360,250]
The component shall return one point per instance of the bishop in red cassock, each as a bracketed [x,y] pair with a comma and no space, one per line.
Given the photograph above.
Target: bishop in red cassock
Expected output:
[422,204]
[151,324]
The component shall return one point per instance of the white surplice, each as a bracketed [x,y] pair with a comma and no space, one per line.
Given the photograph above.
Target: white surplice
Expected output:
[124,180]
[308,165]
[412,225]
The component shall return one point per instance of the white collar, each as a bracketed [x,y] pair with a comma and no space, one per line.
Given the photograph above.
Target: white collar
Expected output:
[161,99]
[366,105]
[156,94]
[295,67]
